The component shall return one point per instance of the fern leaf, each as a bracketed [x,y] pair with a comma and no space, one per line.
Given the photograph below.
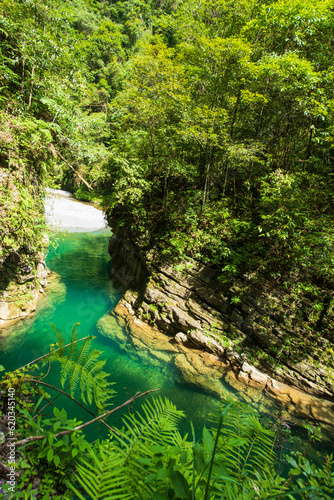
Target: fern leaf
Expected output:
[102,478]
[84,371]
[158,425]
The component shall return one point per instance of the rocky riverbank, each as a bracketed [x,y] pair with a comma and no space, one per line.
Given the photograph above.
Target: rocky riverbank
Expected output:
[19,299]
[23,273]
[21,286]
[207,371]
[254,330]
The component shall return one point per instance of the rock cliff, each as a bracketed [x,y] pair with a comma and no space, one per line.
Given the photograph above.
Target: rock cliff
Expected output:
[267,337]
[23,273]
[19,298]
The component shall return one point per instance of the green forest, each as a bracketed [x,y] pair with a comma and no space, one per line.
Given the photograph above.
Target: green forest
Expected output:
[204,128]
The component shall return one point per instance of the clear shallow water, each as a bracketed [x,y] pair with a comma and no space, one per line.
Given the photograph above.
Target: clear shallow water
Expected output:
[84,295]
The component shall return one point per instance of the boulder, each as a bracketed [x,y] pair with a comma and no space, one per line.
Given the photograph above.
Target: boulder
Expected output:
[181,338]
[198,338]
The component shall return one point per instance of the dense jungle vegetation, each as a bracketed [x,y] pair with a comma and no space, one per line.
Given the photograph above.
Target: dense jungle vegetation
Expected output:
[205,127]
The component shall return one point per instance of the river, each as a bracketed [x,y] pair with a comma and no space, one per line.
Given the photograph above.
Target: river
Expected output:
[84,294]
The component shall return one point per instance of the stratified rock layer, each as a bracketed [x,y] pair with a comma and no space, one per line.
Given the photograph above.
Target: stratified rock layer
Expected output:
[209,372]
[20,298]
[248,327]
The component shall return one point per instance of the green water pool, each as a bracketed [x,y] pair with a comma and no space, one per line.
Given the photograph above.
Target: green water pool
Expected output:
[84,294]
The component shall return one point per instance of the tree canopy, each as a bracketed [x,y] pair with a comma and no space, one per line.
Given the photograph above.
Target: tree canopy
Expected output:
[207,126]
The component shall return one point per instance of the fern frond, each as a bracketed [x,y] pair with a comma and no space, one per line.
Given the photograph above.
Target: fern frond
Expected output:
[245,446]
[82,368]
[151,432]
[86,375]
[74,338]
[103,478]
[158,425]
[84,351]
[56,353]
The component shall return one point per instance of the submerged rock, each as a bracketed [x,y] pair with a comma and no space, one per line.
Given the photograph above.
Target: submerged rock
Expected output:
[229,320]
[202,373]
[208,371]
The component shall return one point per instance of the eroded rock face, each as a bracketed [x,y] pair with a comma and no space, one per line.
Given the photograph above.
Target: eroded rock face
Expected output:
[128,267]
[17,302]
[240,323]
[198,338]
[181,338]
[203,317]
[209,372]
[20,300]
[11,312]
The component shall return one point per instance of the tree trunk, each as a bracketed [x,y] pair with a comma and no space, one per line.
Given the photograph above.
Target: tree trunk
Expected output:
[31,86]
[206,183]
[309,145]
[235,113]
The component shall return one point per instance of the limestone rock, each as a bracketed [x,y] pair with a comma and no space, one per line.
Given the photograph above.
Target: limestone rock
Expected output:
[20,298]
[233,356]
[198,338]
[181,338]
[243,377]
[323,411]
[108,326]
[206,314]
[246,367]
[236,317]
[231,379]
[183,320]
[252,377]
[192,302]
[153,295]
[11,312]
[279,391]
[171,286]
[140,333]
[258,379]
[196,372]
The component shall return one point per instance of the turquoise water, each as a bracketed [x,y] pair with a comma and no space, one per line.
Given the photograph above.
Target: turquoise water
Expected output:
[84,294]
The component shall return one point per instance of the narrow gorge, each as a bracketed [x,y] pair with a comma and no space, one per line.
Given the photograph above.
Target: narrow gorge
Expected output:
[167,233]
[253,331]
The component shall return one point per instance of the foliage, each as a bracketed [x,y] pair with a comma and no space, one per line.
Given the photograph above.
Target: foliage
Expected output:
[57,440]
[208,129]
[52,117]
[233,460]
[238,457]
[227,108]
[23,225]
